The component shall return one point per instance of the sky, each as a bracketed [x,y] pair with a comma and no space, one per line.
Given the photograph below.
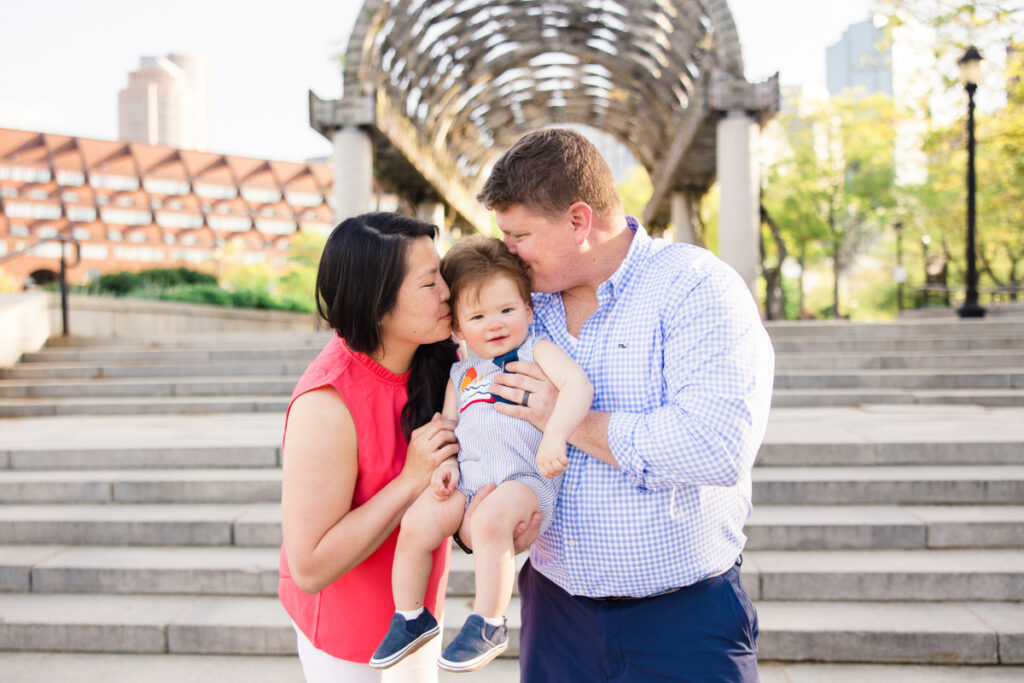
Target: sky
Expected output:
[63,62]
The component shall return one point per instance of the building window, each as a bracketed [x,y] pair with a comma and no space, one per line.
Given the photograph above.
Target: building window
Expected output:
[216,191]
[260,195]
[70,178]
[46,231]
[232,223]
[125,201]
[114,182]
[137,237]
[161,186]
[38,194]
[69,196]
[24,174]
[17,230]
[81,214]
[81,234]
[126,217]
[32,210]
[178,220]
[304,198]
[114,236]
[275,227]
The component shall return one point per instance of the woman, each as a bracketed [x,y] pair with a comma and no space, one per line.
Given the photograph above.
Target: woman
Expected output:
[362,436]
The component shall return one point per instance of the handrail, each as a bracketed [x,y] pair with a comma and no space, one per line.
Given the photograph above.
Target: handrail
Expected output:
[63,239]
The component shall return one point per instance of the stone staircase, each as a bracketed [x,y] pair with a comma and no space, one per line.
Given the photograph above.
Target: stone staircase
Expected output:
[139,515]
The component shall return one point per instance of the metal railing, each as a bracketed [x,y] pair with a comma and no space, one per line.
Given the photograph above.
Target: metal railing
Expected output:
[63,239]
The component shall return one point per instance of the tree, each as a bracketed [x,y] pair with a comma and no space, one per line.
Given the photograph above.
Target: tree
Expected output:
[832,188]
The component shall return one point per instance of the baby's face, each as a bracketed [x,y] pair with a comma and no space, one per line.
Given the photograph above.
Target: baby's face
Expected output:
[494,320]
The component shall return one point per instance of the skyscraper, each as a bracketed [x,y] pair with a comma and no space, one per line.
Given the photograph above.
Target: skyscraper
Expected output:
[167,102]
[858,61]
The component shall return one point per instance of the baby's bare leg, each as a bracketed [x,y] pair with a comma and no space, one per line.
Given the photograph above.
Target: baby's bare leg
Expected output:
[493,554]
[425,525]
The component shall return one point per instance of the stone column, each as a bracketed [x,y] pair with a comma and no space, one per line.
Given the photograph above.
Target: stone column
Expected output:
[682,218]
[433,212]
[353,172]
[740,201]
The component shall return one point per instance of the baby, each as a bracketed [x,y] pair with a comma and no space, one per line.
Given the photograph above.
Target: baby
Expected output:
[491,312]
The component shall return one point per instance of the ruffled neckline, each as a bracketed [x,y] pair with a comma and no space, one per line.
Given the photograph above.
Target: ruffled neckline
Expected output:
[373,366]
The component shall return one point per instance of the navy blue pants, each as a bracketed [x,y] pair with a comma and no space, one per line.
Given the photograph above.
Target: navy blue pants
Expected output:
[703,633]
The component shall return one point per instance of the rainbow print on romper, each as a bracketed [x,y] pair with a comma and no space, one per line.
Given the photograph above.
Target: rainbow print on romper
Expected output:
[473,389]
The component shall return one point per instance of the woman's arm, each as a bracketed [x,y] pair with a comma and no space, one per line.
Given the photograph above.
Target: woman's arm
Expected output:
[323,536]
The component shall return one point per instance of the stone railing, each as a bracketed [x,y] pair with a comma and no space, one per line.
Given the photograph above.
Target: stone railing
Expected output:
[25,324]
[97,316]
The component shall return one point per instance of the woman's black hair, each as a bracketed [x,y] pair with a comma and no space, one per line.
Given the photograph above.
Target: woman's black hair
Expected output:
[357,283]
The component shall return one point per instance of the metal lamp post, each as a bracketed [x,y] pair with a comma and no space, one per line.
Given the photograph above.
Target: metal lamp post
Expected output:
[970,75]
[899,273]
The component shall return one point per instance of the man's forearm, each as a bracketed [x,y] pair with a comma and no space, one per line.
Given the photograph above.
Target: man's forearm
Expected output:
[591,437]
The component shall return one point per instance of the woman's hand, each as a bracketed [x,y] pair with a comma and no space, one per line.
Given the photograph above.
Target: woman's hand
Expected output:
[512,386]
[429,446]
[523,536]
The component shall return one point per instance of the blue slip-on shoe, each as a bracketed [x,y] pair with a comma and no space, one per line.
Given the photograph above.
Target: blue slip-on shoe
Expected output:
[404,637]
[477,644]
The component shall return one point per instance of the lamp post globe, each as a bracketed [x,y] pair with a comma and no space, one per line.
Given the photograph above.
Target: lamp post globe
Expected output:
[970,75]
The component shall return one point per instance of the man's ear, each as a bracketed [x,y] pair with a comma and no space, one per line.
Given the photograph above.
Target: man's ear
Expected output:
[581,218]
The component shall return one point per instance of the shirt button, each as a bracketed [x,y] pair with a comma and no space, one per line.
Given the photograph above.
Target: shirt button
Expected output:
[568,487]
[572,543]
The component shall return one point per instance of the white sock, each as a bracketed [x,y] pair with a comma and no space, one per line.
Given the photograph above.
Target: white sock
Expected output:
[492,621]
[410,614]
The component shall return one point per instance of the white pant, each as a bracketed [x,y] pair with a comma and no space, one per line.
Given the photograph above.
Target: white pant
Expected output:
[320,667]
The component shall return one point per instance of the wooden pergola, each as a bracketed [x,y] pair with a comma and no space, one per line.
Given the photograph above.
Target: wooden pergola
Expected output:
[435,90]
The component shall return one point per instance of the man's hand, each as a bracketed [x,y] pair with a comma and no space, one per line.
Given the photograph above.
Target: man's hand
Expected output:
[513,386]
[523,536]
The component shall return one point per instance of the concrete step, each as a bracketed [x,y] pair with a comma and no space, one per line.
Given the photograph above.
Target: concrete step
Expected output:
[187,570]
[883,527]
[67,371]
[236,485]
[805,398]
[953,632]
[169,405]
[149,387]
[140,458]
[183,405]
[176,624]
[856,575]
[770,527]
[873,575]
[911,329]
[786,362]
[175,524]
[935,379]
[147,356]
[139,441]
[980,453]
[844,344]
[974,484]
[32,667]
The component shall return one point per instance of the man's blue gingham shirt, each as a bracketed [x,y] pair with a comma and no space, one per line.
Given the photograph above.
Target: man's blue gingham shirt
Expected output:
[679,357]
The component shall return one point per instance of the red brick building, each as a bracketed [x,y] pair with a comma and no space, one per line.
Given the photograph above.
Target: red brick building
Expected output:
[133,206]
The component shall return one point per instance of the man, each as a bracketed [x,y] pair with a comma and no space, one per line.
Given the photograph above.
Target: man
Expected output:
[637,577]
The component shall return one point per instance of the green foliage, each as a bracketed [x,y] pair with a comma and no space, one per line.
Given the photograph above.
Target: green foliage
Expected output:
[635,191]
[155,279]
